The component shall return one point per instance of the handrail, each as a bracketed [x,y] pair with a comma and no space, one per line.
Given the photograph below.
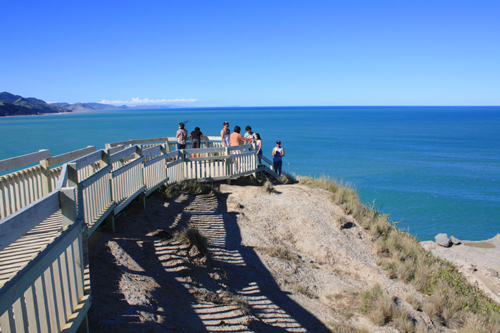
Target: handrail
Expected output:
[19,161]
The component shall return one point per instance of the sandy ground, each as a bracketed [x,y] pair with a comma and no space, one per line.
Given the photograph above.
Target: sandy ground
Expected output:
[478,261]
[144,280]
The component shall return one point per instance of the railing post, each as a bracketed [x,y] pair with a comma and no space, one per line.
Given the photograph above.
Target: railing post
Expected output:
[228,164]
[143,195]
[46,180]
[163,150]
[110,219]
[67,199]
[182,157]
[167,146]
[73,182]
[206,144]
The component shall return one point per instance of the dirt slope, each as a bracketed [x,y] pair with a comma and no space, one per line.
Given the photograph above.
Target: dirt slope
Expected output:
[288,261]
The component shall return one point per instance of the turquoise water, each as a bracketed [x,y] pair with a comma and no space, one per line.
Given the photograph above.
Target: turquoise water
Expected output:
[436,169]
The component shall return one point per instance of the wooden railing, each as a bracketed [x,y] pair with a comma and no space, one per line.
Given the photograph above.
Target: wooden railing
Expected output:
[51,293]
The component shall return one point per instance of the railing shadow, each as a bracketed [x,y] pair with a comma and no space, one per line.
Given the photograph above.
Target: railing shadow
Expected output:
[171,304]
[247,275]
[164,305]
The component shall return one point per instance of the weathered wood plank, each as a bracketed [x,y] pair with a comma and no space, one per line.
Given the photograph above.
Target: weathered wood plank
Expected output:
[122,154]
[204,150]
[155,160]
[124,204]
[19,161]
[133,142]
[79,314]
[95,177]
[209,158]
[70,156]
[15,287]
[151,150]
[89,159]
[63,178]
[212,138]
[92,225]
[22,221]
[240,147]
[127,167]
[115,149]
[172,164]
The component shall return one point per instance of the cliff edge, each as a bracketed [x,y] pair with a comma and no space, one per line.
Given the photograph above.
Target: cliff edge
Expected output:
[282,258]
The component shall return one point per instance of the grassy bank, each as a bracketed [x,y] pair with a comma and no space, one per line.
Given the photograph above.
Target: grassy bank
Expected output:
[450,301]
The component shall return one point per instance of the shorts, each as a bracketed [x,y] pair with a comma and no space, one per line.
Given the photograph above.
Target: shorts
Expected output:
[180,146]
[260,152]
[277,165]
[196,143]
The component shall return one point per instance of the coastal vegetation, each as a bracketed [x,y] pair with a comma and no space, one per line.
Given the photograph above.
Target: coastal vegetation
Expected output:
[450,300]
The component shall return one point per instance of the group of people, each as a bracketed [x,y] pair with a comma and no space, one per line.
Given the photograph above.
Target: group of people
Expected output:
[233,139]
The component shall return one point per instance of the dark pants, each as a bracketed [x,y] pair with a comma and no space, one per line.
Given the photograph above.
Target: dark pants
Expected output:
[179,146]
[277,166]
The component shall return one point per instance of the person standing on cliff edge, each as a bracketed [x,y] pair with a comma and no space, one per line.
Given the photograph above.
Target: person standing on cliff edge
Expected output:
[278,154]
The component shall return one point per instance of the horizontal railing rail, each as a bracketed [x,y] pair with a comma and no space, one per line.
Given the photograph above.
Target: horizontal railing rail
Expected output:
[22,187]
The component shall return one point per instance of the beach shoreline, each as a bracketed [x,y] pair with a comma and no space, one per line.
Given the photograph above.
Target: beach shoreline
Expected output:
[478,261]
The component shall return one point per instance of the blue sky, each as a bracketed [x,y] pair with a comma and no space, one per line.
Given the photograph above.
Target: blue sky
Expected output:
[253,53]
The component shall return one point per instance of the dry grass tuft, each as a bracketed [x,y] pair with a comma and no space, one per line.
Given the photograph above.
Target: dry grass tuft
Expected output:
[278,252]
[191,187]
[298,288]
[193,237]
[383,310]
[287,179]
[269,187]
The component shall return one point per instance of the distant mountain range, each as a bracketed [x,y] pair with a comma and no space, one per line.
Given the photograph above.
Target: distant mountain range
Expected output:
[89,106]
[15,105]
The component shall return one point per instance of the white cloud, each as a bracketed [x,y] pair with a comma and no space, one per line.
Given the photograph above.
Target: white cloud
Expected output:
[137,100]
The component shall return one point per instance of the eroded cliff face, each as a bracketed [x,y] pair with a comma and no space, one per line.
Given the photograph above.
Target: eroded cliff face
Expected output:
[287,259]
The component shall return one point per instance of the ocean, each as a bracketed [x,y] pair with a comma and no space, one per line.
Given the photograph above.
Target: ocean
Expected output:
[432,169]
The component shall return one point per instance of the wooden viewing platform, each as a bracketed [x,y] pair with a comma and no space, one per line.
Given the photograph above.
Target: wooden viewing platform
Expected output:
[49,209]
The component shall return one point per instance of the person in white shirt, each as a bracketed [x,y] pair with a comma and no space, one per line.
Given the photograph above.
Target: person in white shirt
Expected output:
[249,135]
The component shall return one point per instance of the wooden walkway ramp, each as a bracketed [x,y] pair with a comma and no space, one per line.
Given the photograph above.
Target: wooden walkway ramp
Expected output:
[48,210]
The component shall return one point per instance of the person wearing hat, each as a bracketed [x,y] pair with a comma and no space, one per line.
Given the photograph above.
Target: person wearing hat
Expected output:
[224,134]
[278,154]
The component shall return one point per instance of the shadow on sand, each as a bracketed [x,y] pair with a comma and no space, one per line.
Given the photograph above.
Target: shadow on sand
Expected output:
[163,298]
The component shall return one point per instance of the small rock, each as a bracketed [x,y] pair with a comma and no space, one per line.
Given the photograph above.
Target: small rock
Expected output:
[443,240]
[455,241]
[472,269]
[492,272]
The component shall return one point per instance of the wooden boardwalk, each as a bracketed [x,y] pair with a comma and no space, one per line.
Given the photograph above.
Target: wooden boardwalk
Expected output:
[18,254]
[47,212]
